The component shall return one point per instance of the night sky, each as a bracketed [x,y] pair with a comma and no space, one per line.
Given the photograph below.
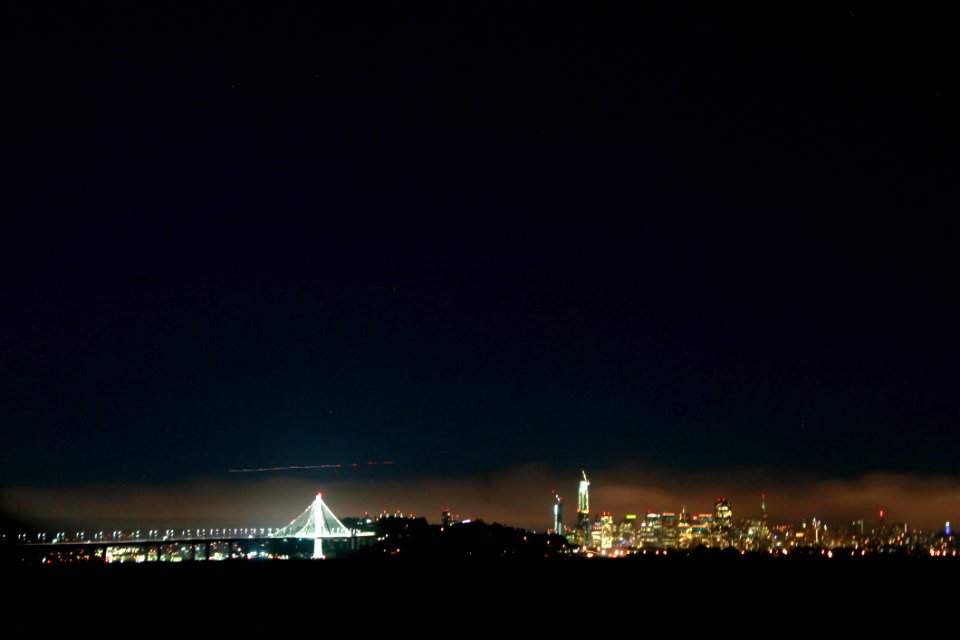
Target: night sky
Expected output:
[470,240]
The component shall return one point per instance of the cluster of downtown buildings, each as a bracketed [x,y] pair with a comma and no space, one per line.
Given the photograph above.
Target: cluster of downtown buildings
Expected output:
[719,530]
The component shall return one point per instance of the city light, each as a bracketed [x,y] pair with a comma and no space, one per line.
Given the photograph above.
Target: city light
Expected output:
[656,534]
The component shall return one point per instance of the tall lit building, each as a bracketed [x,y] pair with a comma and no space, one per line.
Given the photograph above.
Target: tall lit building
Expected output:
[608,530]
[669,531]
[700,528]
[722,523]
[628,530]
[557,513]
[583,495]
[583,508]
[650,531]
[684,530]
[722,513]
[762,536]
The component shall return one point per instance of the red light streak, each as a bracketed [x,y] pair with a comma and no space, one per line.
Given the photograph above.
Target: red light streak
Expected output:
[310,466]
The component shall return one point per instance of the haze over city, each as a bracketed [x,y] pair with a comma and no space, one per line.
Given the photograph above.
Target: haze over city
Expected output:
[519,497]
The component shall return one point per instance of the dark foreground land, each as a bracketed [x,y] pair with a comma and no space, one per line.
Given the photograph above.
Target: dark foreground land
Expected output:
[556,596]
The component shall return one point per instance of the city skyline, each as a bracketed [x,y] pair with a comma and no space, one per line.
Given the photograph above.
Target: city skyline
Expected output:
[514,498]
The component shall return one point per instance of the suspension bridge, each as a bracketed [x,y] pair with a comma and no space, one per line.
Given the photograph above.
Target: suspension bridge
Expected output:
[315,524]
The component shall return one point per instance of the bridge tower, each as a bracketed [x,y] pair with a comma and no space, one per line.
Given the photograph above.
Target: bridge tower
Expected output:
[316,523]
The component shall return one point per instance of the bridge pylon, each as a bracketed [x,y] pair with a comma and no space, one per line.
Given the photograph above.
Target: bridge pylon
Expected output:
[317,523]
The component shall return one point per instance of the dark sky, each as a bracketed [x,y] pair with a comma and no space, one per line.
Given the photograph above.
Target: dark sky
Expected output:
[466,239]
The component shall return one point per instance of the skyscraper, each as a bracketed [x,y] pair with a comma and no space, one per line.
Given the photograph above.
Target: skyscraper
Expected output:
[722,523]
[628,530]
[607,530]
[583,509]
[669,531]
[557,513]
[650,531]
[757,535]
